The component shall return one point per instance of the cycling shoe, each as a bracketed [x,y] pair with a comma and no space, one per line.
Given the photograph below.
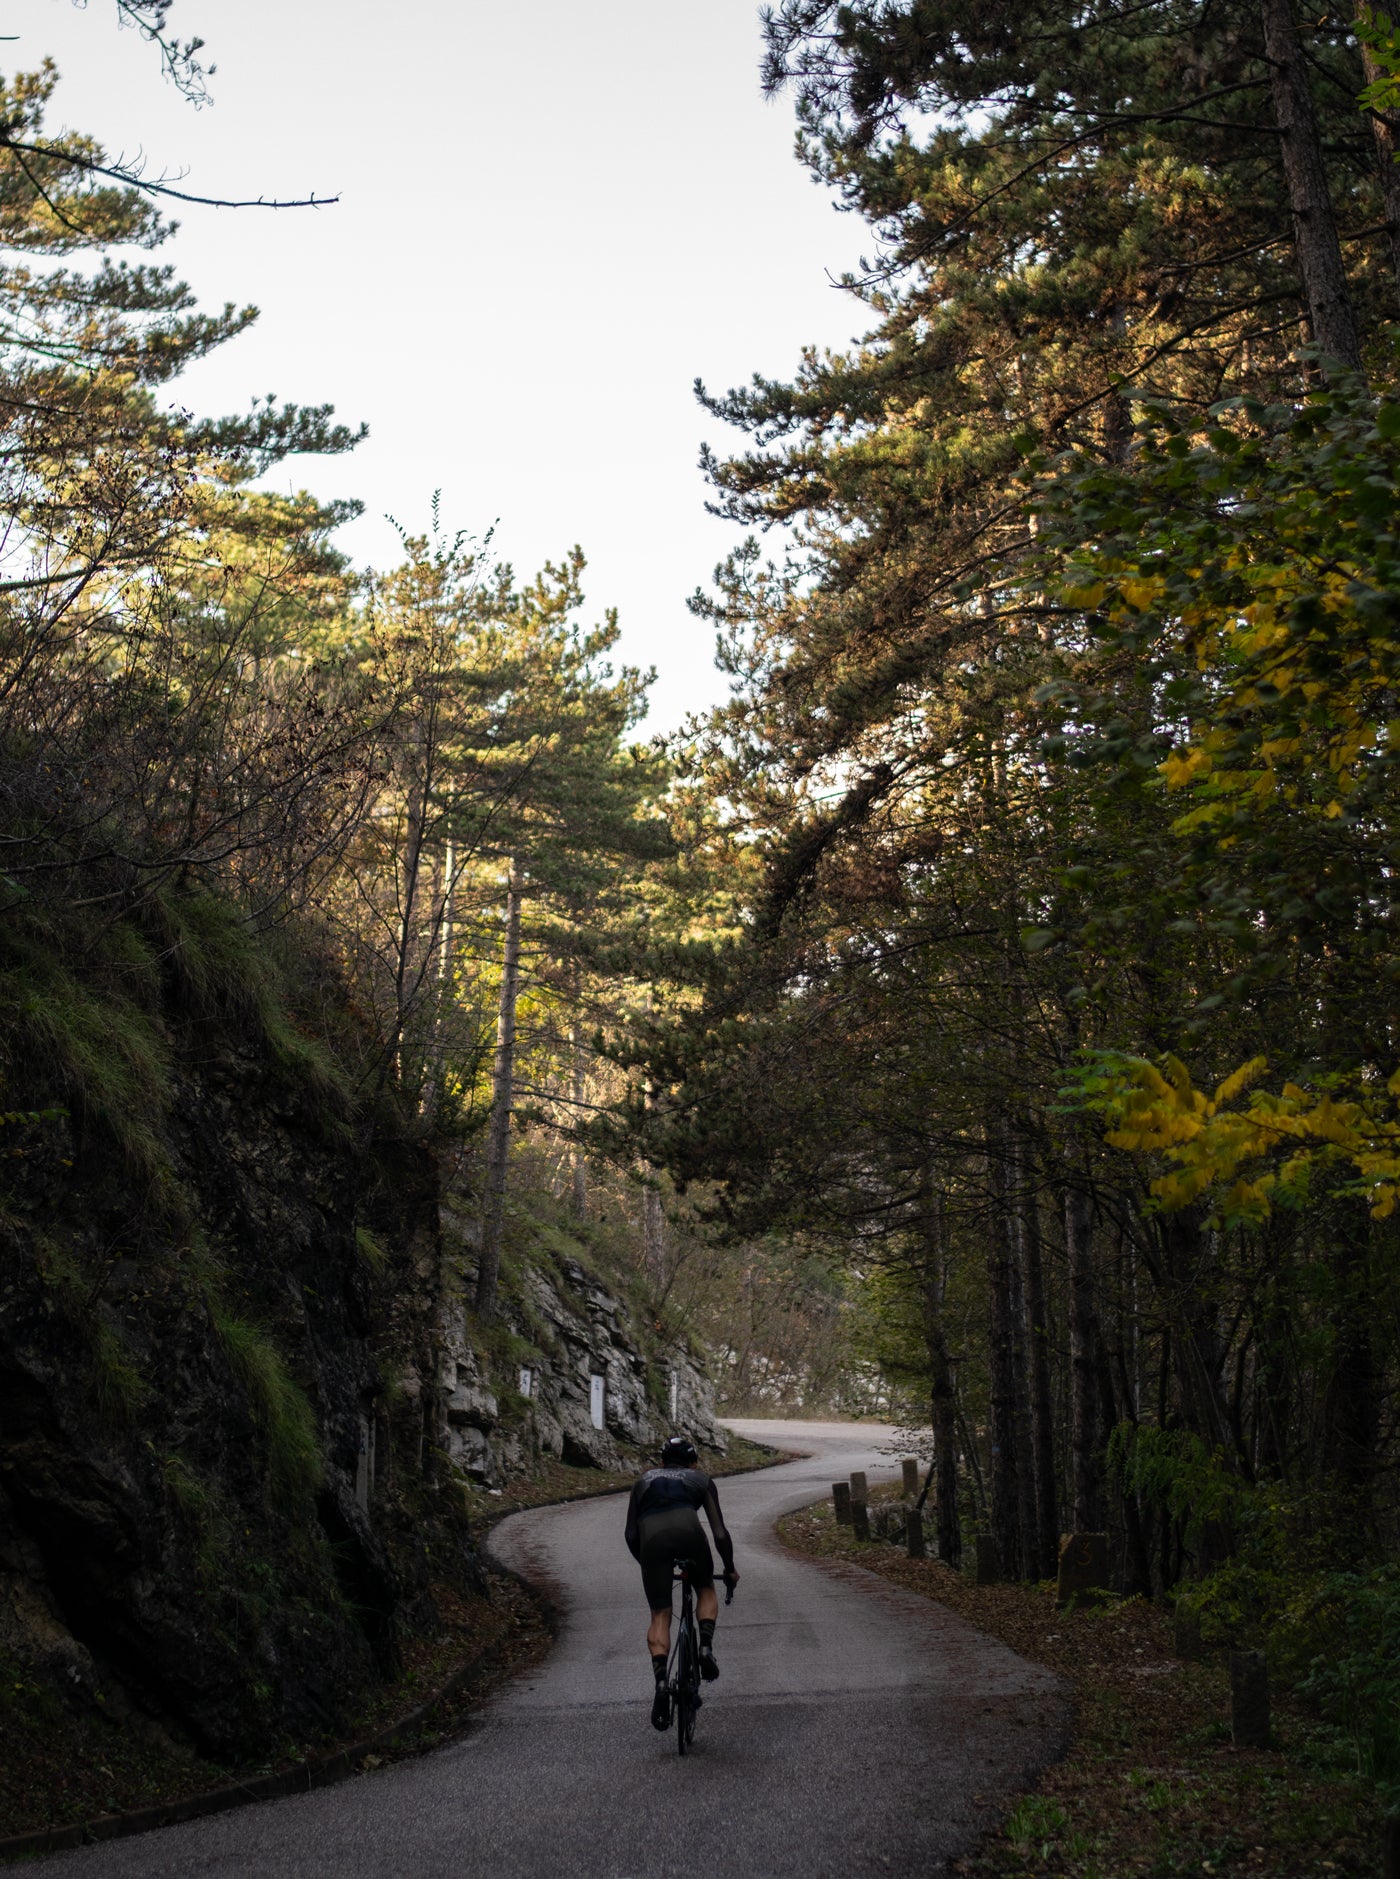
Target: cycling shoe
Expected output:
[709,1669]
[661,1708]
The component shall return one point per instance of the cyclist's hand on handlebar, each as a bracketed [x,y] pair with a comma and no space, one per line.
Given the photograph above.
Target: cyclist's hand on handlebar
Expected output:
[731,1579]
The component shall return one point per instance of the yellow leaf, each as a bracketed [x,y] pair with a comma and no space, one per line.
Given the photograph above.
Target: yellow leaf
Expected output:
[1183,766]
[1140,594]
[1241,1079]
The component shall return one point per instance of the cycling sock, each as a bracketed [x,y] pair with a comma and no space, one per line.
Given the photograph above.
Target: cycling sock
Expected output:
[707,1634]
[658,1667]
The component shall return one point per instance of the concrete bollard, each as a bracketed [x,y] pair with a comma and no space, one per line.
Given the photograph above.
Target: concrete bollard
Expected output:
[860,1490]
[914,1533]
[841,1500]
[911,1479]
[1083,1573]
[860,1519]
[1249,1700]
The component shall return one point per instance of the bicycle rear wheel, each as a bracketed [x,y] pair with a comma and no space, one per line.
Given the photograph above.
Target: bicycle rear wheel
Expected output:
[687,1690]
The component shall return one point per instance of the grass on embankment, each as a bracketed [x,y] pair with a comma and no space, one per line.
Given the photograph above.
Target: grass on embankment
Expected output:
[1151,1783]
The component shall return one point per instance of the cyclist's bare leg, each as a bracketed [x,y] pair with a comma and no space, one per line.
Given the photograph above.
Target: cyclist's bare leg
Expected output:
[659,1644]
[706,1604]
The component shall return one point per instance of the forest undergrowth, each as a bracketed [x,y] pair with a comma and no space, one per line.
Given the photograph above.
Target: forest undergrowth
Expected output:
[1151,1783]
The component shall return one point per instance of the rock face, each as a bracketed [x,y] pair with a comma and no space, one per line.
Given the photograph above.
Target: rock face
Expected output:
[238,1398]
[183,1398]
[585,1391]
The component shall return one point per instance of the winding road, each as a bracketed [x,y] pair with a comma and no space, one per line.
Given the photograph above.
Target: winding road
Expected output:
[856,1729]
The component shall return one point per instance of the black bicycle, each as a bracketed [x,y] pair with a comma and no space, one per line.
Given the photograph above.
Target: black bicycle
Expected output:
[683,1671]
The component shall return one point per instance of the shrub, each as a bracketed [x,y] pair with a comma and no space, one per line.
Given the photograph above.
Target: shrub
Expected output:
[1354,1674]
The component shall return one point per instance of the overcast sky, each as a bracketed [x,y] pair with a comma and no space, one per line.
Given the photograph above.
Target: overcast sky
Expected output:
[553,217]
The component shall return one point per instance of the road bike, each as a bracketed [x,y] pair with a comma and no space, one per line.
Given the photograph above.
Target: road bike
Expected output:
[683,1671]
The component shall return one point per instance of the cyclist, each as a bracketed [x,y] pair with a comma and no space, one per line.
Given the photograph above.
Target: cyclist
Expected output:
[663,1529]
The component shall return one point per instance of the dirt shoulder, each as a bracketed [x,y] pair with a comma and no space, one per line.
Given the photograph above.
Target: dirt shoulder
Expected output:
[553,1482]
[1151,1783]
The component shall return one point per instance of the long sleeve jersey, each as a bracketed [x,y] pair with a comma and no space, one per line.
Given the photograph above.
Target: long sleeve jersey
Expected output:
[667,1491]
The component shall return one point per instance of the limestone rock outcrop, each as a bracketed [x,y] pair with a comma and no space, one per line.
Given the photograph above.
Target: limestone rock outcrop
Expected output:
[586,1392]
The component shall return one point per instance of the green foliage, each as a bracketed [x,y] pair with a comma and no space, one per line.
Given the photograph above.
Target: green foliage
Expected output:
[370,1251]
[118,1382]
[1177,1469]
[218,959]
[1333,1636]
[1039,1829]
[1354,1675]
[1376,32]
[226,966]
[113,1375]
[203,1510]
[85,1016]
[295,1464]
[84,1038]
[1246,562]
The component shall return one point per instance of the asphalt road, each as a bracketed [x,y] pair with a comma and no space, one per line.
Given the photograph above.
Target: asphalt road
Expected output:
[856,1729]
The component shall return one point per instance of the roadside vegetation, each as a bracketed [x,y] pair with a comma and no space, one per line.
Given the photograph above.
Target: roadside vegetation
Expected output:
[1151,1782]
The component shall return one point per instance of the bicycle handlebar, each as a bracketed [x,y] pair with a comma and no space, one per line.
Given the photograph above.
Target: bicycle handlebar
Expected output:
[681,1577]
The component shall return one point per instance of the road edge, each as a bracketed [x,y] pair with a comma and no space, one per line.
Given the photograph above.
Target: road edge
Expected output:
[338,1765]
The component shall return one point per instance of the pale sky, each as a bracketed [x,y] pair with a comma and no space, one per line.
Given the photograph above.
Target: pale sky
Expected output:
[553,217]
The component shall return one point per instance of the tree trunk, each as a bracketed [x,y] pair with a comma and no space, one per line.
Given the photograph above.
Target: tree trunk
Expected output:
[1011,1486]
[502,1094]
[1314,227]
[449,891]
[969,1449]
[1187,1262]
[1037,1332]
[653,1220]
[942,1394]
[1383,129]
[432,1082]
[404,938]
[653,1235]
[1352,1405]
[580,1168]
[1085,1414]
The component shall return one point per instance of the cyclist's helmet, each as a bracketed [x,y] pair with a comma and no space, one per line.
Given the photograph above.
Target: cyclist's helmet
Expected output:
[679,1452]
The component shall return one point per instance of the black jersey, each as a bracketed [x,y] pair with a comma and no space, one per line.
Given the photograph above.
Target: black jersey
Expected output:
[664,1491]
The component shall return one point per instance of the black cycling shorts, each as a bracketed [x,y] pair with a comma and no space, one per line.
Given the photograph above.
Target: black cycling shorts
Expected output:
[665,1539]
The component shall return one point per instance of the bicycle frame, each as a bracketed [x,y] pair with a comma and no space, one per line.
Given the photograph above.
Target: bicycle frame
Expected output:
[683,1672]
